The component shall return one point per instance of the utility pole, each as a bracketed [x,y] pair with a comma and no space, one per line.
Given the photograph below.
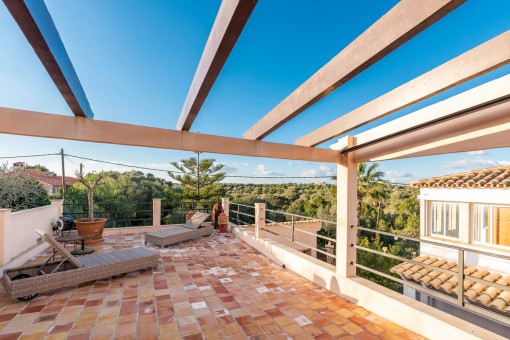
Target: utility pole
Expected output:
[63,174]
[81,169]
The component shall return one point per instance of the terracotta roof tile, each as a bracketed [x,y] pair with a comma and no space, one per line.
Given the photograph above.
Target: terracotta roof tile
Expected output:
[485,179]
[483,295]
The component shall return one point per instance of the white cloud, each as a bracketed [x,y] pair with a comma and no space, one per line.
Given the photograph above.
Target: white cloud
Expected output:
[323,171]
[471,164]
[473,161]
[262,171]
[229,169]
[397,174]
[478,153]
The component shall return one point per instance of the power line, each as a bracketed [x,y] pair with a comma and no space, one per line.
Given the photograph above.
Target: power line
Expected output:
[124,165]
[68,156]
[26,156]
[180,172]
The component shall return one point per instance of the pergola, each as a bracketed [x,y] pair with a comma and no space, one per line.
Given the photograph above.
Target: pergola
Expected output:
[474,120]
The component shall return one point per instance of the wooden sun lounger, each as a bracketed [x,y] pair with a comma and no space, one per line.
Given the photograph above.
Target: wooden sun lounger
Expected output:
[181,232]
[26,282]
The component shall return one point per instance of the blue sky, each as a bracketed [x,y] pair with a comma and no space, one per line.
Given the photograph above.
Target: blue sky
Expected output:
[136,60]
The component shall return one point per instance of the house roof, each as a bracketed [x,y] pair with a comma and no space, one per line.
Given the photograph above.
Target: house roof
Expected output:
[493,178]
[51,179]
[480,294]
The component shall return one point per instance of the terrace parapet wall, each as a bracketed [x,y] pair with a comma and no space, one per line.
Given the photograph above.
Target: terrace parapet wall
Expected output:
[18,241]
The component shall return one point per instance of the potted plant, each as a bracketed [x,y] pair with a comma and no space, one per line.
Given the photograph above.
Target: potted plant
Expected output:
[91,227]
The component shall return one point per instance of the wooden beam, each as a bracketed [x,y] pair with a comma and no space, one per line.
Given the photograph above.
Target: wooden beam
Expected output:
[492,91]
[478,61]
[36,23]
[486,128]
[37,124]
[400,24]
[228,25]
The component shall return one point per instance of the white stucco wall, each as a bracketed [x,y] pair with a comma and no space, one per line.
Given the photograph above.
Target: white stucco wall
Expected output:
[466,198]
[18,229]
[491,196]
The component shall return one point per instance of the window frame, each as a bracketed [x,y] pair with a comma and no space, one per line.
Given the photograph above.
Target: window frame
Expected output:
[445,224]
[490,214]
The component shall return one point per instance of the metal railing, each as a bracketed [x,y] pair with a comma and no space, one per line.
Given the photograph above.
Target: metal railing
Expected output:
[459,300]
[242,217]
[175,212]
[118,214]
[239,214]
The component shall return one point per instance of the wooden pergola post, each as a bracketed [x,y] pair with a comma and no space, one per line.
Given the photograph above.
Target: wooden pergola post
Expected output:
[347,195]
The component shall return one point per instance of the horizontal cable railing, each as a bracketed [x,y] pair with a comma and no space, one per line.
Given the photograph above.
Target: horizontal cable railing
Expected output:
[243,214]
[459,300]
[240,217]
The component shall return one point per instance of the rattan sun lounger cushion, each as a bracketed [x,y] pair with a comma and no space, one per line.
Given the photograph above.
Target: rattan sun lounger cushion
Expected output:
[179,234]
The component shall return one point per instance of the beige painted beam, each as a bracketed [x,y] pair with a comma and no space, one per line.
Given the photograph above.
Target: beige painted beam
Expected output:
[491,91]
[487,128]
[37,124]
[228,25]
[480,60]
[404,21]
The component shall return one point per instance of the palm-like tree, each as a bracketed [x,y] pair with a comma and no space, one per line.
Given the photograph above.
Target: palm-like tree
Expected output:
[371,187]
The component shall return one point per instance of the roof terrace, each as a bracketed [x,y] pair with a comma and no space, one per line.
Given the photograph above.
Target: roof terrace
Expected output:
[214,287]
[222,286]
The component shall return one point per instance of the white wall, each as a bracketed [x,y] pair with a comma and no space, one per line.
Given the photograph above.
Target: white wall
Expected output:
[466,198]
[492,196]
[18,233]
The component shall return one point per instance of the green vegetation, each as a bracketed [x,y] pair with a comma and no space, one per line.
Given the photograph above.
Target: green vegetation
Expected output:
[382,206]
[124,198]
[19,191]
[199,179]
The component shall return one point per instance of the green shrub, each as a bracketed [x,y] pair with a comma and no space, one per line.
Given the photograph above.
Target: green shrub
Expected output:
[19,191]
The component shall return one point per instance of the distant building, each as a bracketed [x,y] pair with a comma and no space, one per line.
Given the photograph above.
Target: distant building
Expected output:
[51,182]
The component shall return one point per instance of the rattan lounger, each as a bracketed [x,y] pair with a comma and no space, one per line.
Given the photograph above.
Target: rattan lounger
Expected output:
[25,283]
[181,232]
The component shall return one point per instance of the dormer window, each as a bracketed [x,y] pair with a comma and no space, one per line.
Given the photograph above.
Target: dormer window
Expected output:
[444,219]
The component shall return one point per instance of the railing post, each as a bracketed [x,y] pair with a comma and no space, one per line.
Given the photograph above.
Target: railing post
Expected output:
[237,214]
[156,212]
[460,284]
[347,197]
[292,229]
[5,220]
[225,204]
[260,218]
[59,203]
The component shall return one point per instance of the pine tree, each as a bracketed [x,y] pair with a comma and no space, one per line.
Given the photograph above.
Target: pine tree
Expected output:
[199,177]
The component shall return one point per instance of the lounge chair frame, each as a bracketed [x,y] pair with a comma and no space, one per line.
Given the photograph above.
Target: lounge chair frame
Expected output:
[67,273]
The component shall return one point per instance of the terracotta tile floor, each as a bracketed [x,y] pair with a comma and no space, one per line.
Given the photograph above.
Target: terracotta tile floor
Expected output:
[214,288]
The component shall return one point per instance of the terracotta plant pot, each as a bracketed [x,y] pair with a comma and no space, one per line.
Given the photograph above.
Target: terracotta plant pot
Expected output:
[91,230]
